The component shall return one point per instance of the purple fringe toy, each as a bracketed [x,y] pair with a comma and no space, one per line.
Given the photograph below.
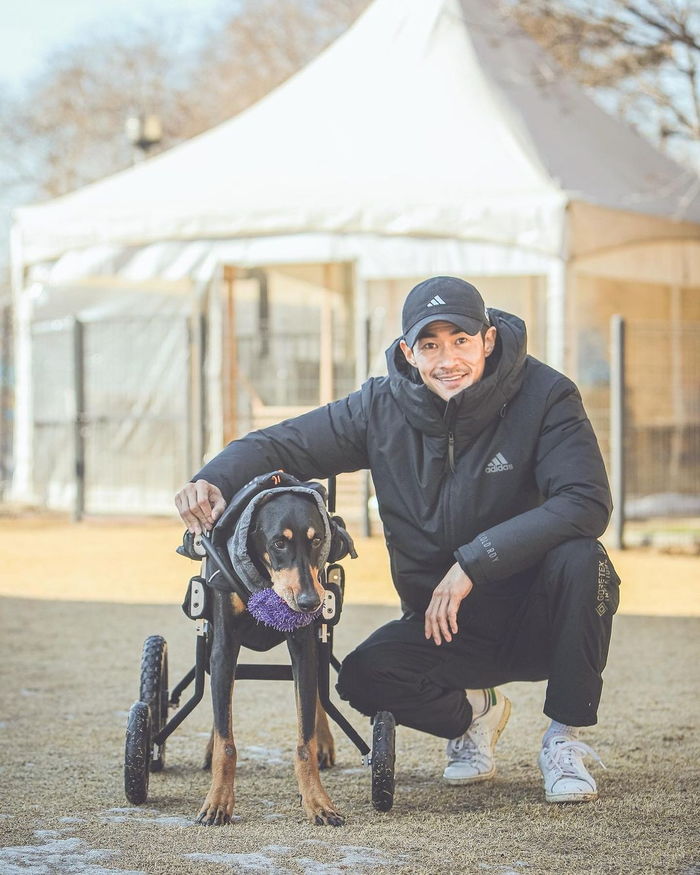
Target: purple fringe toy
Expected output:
[268,608]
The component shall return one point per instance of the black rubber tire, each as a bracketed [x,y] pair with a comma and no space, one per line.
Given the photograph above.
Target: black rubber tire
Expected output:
[383,760]
[137,753]
[154,691]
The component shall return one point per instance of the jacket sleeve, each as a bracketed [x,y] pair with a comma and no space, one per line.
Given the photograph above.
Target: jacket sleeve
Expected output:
[570,476]
[328,440]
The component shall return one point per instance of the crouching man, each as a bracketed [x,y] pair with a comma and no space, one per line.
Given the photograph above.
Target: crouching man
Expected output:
[492,493]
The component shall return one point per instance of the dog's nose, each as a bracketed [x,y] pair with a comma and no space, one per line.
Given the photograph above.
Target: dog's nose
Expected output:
[308,602]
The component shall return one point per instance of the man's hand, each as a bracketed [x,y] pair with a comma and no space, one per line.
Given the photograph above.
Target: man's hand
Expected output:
[200,504]
[448,595]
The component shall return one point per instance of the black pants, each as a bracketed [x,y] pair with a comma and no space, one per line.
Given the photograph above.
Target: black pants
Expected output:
[553,623]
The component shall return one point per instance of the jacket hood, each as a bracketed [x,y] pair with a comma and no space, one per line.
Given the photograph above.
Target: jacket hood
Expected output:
[467,413]
[237,543]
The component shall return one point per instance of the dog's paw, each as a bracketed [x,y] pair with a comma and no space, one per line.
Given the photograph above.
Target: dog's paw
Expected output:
[217,809]
[323,813]
[329,818]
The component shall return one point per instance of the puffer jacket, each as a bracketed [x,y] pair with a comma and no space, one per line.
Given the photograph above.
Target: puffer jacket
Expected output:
[506,470]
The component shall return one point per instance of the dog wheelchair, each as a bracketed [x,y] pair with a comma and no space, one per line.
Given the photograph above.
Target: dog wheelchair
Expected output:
[149,724]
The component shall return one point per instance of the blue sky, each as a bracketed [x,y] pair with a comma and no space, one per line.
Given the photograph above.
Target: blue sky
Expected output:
[31,29]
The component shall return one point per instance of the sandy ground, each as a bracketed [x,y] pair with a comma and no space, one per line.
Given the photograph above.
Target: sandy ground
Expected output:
[76,604]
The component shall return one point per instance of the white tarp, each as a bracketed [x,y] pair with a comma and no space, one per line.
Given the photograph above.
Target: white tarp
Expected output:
[428,117]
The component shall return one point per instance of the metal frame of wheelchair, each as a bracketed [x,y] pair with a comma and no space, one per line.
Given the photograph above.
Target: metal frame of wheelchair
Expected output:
[148,726]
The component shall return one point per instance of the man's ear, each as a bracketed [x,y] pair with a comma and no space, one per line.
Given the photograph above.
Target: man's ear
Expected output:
[490,340]
[408,353]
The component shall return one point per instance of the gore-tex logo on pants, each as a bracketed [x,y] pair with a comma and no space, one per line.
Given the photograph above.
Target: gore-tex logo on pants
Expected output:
[498,463]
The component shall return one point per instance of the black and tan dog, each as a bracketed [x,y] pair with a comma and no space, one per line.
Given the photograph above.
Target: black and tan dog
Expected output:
[285,539]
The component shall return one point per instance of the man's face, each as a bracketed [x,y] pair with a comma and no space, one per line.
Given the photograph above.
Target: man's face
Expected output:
[448,359]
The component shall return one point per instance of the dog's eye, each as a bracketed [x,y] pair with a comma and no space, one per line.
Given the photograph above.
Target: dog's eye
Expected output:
[280,543]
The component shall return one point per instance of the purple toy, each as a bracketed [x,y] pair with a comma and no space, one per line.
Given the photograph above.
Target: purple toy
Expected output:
[268,608]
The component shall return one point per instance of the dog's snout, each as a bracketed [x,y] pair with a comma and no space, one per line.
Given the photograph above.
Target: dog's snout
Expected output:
[308,602]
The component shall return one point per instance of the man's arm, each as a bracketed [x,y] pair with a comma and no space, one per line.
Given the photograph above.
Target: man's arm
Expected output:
[325,441]
[570,474]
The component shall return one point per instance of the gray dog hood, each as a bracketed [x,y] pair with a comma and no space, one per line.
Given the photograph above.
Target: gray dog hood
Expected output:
[237,544]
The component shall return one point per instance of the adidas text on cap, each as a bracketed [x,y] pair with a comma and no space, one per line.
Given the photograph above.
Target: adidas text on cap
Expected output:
[446,299]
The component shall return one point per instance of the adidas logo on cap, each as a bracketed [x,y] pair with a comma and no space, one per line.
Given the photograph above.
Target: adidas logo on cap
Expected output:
[498,463]
[434,302]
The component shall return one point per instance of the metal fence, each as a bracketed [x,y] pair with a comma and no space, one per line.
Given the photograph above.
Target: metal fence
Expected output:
[110,413]
[285,369]
[653,439]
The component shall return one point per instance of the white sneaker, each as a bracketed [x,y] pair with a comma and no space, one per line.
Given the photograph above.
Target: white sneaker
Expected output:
[470,757]
[566,779]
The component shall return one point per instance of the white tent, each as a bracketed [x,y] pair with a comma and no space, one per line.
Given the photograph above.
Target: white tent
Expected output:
[432,137]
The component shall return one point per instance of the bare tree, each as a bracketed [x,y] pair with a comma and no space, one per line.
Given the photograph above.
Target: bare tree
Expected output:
[261,46]
[642,58]
[67,128]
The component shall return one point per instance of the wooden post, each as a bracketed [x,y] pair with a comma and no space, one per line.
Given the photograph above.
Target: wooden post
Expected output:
[229,381]
[675,472]
[617,428]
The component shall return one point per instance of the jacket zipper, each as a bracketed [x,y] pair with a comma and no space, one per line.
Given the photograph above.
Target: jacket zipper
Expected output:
[451,450]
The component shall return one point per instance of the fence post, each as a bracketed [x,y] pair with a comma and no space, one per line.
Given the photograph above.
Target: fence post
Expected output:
[79,421]
[617,428]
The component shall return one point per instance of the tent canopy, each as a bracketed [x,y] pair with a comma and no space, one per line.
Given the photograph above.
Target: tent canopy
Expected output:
[429,118]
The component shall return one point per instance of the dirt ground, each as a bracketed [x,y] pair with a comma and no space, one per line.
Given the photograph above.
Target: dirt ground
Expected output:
[77,601]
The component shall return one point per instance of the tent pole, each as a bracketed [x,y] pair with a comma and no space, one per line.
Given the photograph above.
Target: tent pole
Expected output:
[230,358]
[362,340]
[556,314]
[79,421]
[326,387]
[22,489]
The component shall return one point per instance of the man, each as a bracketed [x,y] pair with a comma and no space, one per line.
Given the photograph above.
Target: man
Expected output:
[492,491]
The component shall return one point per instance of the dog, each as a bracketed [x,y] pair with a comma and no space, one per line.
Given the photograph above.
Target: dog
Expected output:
[285,541]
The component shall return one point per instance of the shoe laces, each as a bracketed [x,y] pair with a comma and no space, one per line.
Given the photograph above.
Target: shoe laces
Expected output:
[463,748]
[565,755]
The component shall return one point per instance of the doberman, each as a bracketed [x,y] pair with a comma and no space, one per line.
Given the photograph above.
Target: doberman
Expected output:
[285,540]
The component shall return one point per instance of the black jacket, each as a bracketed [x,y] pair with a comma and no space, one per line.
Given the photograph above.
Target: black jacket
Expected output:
[495,478]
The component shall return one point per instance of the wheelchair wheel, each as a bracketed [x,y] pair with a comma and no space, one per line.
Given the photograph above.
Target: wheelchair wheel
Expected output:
[383,758]
[154,691]
[137,753]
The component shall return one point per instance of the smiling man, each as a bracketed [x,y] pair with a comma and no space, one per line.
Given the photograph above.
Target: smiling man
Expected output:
[492,493]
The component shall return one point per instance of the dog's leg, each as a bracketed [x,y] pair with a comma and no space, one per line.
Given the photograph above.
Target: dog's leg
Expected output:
[324,739]
[317,804]
[206,762]
[218,806]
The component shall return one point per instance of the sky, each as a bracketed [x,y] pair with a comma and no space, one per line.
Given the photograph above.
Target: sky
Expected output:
[31,29]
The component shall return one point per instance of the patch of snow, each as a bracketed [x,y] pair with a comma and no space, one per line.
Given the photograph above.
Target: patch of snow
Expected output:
[250,864]
[355,858]
[270,755]
[71,855]
[144,815]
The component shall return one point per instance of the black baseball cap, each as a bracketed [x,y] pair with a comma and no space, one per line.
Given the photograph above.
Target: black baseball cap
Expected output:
[443,298]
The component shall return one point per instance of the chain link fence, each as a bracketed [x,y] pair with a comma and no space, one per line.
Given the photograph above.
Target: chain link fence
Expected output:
[662,419]
[110,413]
[647,419]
